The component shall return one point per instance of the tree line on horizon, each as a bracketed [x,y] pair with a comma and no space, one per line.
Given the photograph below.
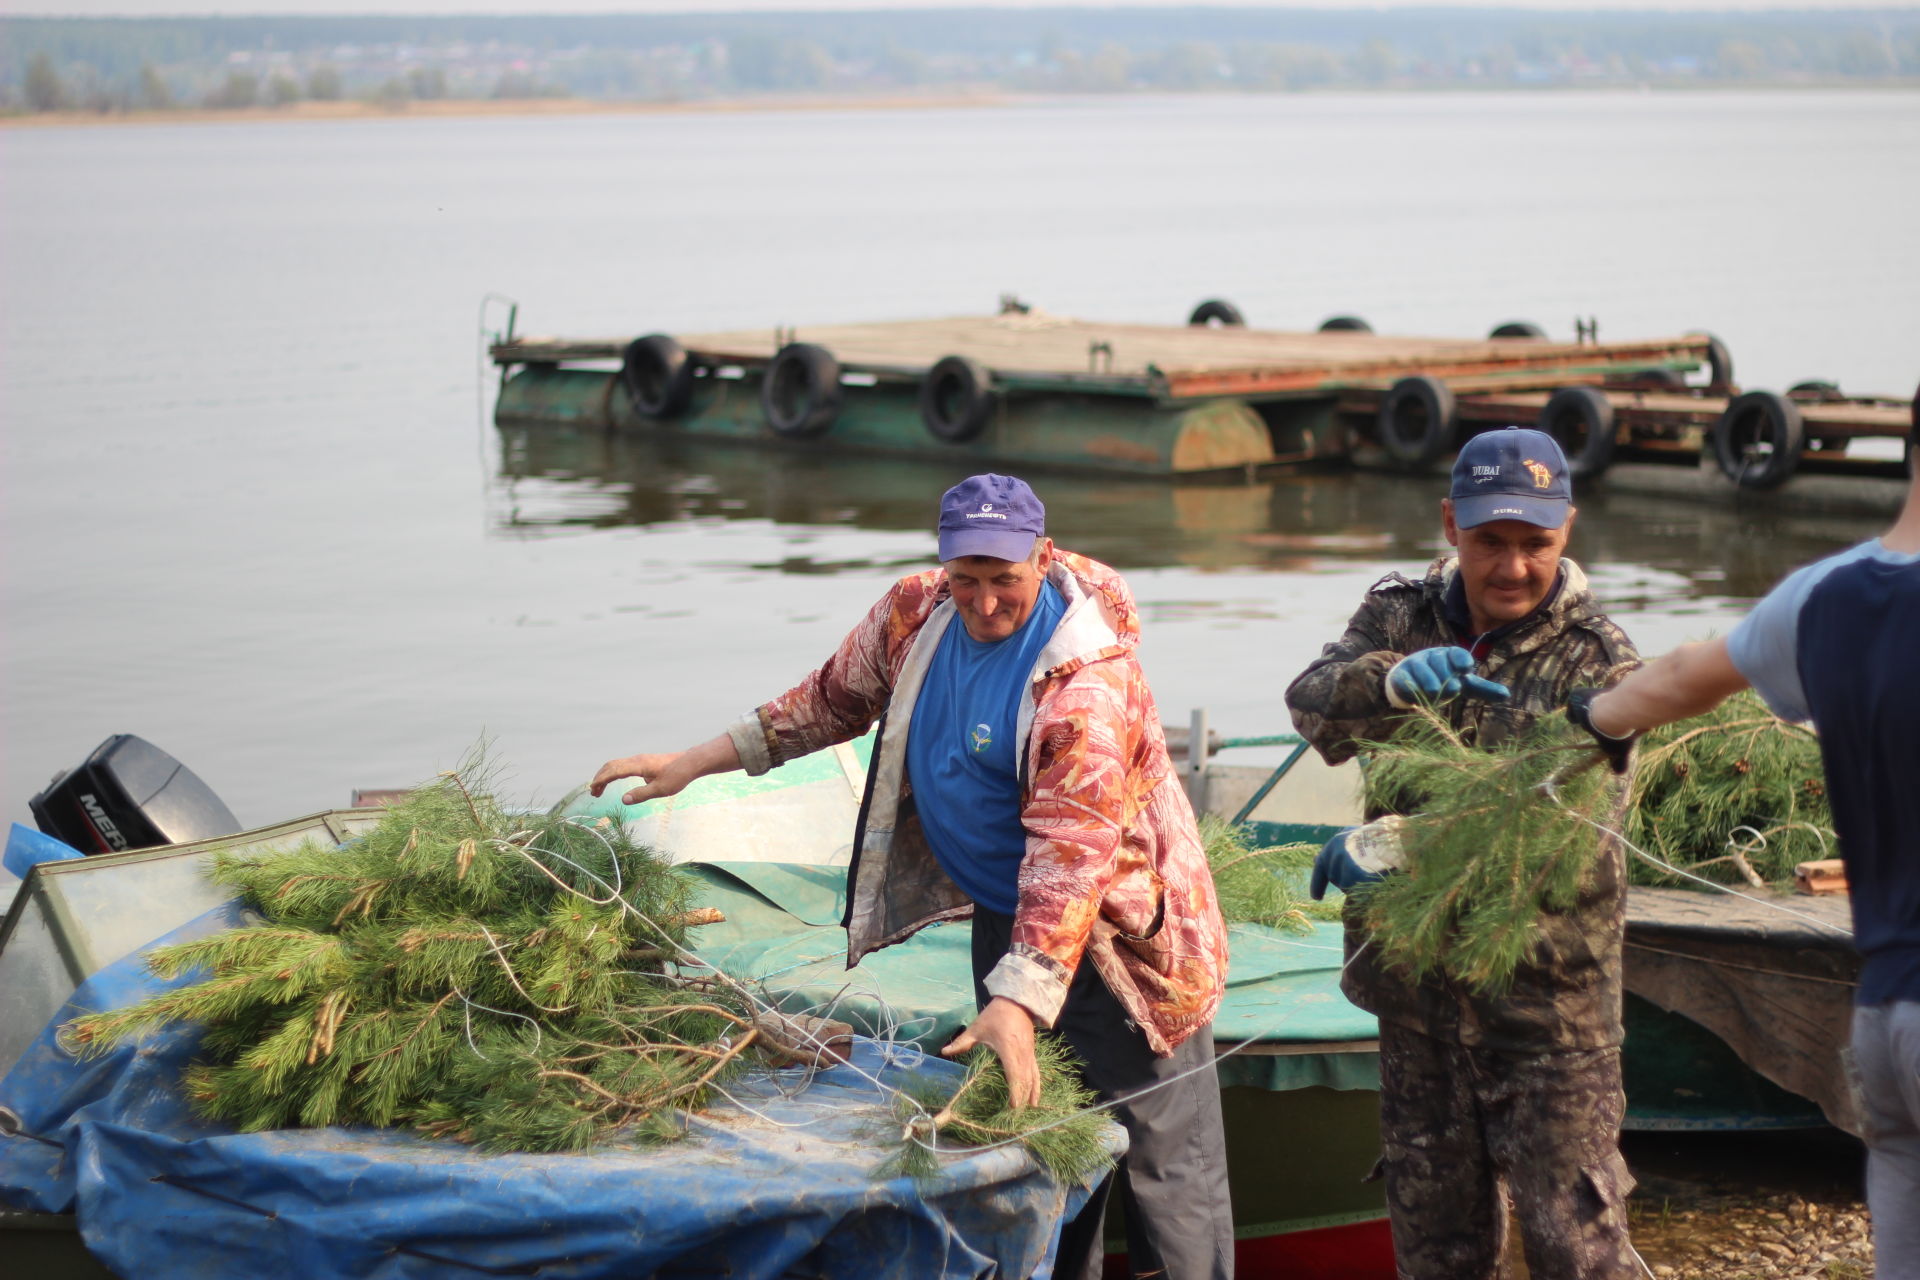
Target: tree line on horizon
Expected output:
[121,64]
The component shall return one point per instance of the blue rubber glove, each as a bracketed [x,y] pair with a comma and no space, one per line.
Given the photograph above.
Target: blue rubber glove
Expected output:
[1435,675]
[1334,865]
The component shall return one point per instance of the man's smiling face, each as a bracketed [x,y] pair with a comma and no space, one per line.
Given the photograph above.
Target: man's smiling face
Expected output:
[996,597]
[1506,566]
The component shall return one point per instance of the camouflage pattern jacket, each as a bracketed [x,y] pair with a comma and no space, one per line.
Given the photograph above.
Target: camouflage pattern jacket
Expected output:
[1567,995]
[1114,868]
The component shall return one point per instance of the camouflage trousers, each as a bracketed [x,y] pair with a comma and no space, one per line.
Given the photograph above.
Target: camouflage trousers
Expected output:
[1463,1128]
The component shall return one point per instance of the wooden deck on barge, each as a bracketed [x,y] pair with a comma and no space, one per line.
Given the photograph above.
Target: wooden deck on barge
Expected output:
[1041,352]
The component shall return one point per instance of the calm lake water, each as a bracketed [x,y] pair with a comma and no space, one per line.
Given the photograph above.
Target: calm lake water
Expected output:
[255,510]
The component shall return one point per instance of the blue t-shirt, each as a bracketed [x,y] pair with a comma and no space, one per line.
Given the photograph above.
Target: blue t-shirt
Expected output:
[1838,643]
[964,759]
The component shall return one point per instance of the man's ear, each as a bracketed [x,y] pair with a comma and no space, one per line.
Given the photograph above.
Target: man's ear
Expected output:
[1043,556]
[1446,522]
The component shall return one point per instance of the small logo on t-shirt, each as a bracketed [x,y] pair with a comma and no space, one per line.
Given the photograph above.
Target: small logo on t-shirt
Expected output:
[982,737]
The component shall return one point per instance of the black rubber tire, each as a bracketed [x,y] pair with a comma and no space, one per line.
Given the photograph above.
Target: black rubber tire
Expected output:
[1580,420]
[1217,312]
[1519,329]
[658,376]
[1719,363]
[1815,391]
[1757,441]
[1417,422]
[800,394]
[956,399]
[1345,324]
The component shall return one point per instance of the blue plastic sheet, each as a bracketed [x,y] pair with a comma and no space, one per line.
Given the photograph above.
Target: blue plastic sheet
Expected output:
[27,848]
[766,1186]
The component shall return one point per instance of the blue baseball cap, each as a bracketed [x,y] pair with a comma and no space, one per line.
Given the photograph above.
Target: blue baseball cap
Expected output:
[990,515]
[1515,474]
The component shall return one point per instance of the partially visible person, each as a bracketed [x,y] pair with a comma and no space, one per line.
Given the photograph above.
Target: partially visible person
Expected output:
[1838,643]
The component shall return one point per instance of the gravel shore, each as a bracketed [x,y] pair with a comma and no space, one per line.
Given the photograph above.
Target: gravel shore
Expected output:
[1781,1206]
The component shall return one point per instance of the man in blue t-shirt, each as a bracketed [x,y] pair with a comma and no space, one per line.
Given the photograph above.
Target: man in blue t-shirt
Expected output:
[1838,643]
[1020,776]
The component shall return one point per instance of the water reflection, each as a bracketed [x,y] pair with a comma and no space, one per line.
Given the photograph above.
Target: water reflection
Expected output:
[1646,549]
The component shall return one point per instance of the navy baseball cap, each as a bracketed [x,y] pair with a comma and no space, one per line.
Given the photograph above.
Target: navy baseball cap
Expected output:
[990,515]
[1515,474]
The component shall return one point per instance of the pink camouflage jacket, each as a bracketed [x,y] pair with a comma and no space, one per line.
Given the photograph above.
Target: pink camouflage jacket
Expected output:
[1114,867]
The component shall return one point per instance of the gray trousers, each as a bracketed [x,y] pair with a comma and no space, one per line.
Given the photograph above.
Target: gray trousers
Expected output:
[1886,1052]
[1173,1180]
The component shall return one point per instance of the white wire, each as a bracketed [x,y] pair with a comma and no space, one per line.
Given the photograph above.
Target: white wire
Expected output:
[1684,874]
[892,1053]
[889,1026]
[808,1038]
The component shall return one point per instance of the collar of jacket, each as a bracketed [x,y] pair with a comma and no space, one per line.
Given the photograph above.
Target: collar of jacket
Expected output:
[1098,623]
[1571,603]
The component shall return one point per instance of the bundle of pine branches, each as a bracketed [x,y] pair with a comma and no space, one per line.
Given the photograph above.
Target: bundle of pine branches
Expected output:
[1261,886]
[1735,794]
[1062,1133]
[1498,837]
[495,977]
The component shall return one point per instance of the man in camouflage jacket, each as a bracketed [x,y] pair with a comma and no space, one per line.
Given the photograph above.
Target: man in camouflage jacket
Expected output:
[1520,1090]
[1116,940]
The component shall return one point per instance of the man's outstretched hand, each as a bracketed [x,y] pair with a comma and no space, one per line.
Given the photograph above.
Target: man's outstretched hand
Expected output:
[667,775]
[1435,675]
[657,772]
[1006,1028]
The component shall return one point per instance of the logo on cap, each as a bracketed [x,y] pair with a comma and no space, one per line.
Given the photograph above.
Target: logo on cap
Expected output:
[1542,477]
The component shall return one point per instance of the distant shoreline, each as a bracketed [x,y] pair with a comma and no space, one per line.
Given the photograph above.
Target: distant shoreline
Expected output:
[516,108]
[485,108]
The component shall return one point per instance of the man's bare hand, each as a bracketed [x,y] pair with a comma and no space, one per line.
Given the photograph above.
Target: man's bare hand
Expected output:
[657,772]
[1006,1028]
[669,774]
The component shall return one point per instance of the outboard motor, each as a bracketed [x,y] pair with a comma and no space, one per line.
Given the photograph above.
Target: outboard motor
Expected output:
[129,794]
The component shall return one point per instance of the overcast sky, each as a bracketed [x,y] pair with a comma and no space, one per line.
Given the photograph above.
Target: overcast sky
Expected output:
[156,8]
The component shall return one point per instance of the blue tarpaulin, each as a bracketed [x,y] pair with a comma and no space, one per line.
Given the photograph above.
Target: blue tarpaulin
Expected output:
[777,1182]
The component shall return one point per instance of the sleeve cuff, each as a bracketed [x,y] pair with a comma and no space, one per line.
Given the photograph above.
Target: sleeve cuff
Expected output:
[1394,699]
[750,741]
[1029,984]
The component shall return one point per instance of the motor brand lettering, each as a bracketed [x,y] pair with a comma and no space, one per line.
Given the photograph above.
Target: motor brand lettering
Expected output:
[102,823]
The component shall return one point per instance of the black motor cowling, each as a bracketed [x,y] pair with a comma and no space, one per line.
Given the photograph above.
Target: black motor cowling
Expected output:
[129,794]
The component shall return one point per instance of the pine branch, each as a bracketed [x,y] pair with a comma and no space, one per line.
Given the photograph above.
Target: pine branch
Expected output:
[1062,1133]
[1262,886]
[457,969]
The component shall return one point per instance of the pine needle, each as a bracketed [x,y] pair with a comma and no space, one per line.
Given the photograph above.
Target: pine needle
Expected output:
[1486,853]
[1060,1133]
[1736,794]
[1262,886]
[1735,788]
[458,969]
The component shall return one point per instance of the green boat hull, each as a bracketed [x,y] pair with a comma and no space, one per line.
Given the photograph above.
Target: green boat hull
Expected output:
[1123,434]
